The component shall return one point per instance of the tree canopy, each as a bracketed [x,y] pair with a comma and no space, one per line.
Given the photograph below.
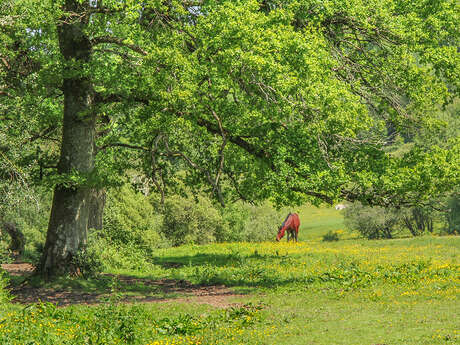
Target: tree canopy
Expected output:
[294,101]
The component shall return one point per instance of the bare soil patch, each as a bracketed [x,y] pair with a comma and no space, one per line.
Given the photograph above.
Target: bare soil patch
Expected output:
[182,291]
[18,269]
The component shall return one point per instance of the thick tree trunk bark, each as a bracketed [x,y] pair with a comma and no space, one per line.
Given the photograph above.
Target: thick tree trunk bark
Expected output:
[68,224]
[18,240]
[97,204]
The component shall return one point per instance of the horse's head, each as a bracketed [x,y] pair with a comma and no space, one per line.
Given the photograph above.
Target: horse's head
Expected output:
[280,234]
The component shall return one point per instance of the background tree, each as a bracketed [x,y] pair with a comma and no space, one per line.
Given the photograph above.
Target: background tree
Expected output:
[291,100]
[372,222]
[453,216]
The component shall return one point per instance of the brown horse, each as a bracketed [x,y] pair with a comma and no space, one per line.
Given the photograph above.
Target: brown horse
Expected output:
[291,224]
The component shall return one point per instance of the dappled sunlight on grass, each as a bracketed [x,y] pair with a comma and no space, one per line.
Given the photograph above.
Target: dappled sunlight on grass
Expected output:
[427,264]
[314,288]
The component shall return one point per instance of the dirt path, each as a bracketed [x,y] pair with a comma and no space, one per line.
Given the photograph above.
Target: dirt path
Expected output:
[18,269]
[216,295]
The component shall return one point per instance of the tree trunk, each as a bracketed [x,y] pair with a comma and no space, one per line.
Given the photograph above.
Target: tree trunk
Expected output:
[409,225]
[96,212]
[419,219]
[17,238]
[68,224]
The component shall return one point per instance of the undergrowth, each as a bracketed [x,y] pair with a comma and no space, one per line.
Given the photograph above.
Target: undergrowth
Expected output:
[113,323]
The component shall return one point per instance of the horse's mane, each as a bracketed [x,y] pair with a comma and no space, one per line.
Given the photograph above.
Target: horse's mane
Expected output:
[282,225]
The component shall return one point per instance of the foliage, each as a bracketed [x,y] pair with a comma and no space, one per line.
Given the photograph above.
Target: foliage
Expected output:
[130,219]
[131,232]
[236,215]
[21,203]
[252,223]
[418,220]
[88,261]
[453,216]
[31,219]
[385,222]
[262,223]
[260,88]
[4,292]
[115,324]
[5,255]
[291,101]
[331,236]
[198,220]
[120,256]
[371,222]
[188,221]
[133,228]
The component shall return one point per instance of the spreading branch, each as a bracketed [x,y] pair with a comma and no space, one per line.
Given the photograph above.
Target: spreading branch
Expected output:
[129,146]
[263,155]
[196,167]
[156,169]
[117,41]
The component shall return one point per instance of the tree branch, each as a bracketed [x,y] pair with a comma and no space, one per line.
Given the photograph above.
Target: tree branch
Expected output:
[129,146]
[197,167]
[261,154]
[117,41]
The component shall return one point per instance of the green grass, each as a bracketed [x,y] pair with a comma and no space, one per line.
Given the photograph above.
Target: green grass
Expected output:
[354,291]
[317,221]
[401,291]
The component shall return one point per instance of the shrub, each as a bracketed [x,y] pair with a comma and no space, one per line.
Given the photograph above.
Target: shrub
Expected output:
[371,222]
[331,236]
[4,293]
[88,261]
[236,215]
[116,256]
[5,256]
[262,223]
[130,233]
[129,218]
[31,218]
[190,221]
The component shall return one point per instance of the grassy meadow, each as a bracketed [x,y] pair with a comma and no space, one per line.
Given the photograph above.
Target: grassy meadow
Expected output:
[353,291]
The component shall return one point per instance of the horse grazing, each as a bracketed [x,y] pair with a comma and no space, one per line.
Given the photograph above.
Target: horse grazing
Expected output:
[291,224]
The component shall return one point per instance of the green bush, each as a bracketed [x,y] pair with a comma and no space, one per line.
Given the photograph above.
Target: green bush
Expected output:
[88,261]
[331,236]
[371,222]
[4,293]
[31,217]
[187,220]
[262,223]
[236,215]
[130,219]
[130,234]
[125,256]
[198,220]
[5,256]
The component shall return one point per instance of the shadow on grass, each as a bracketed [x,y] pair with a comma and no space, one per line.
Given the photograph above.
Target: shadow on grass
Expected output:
[198,275]
[63,291]
[217,260]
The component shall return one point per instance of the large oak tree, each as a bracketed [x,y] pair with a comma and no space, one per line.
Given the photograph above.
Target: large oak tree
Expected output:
[293,100]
